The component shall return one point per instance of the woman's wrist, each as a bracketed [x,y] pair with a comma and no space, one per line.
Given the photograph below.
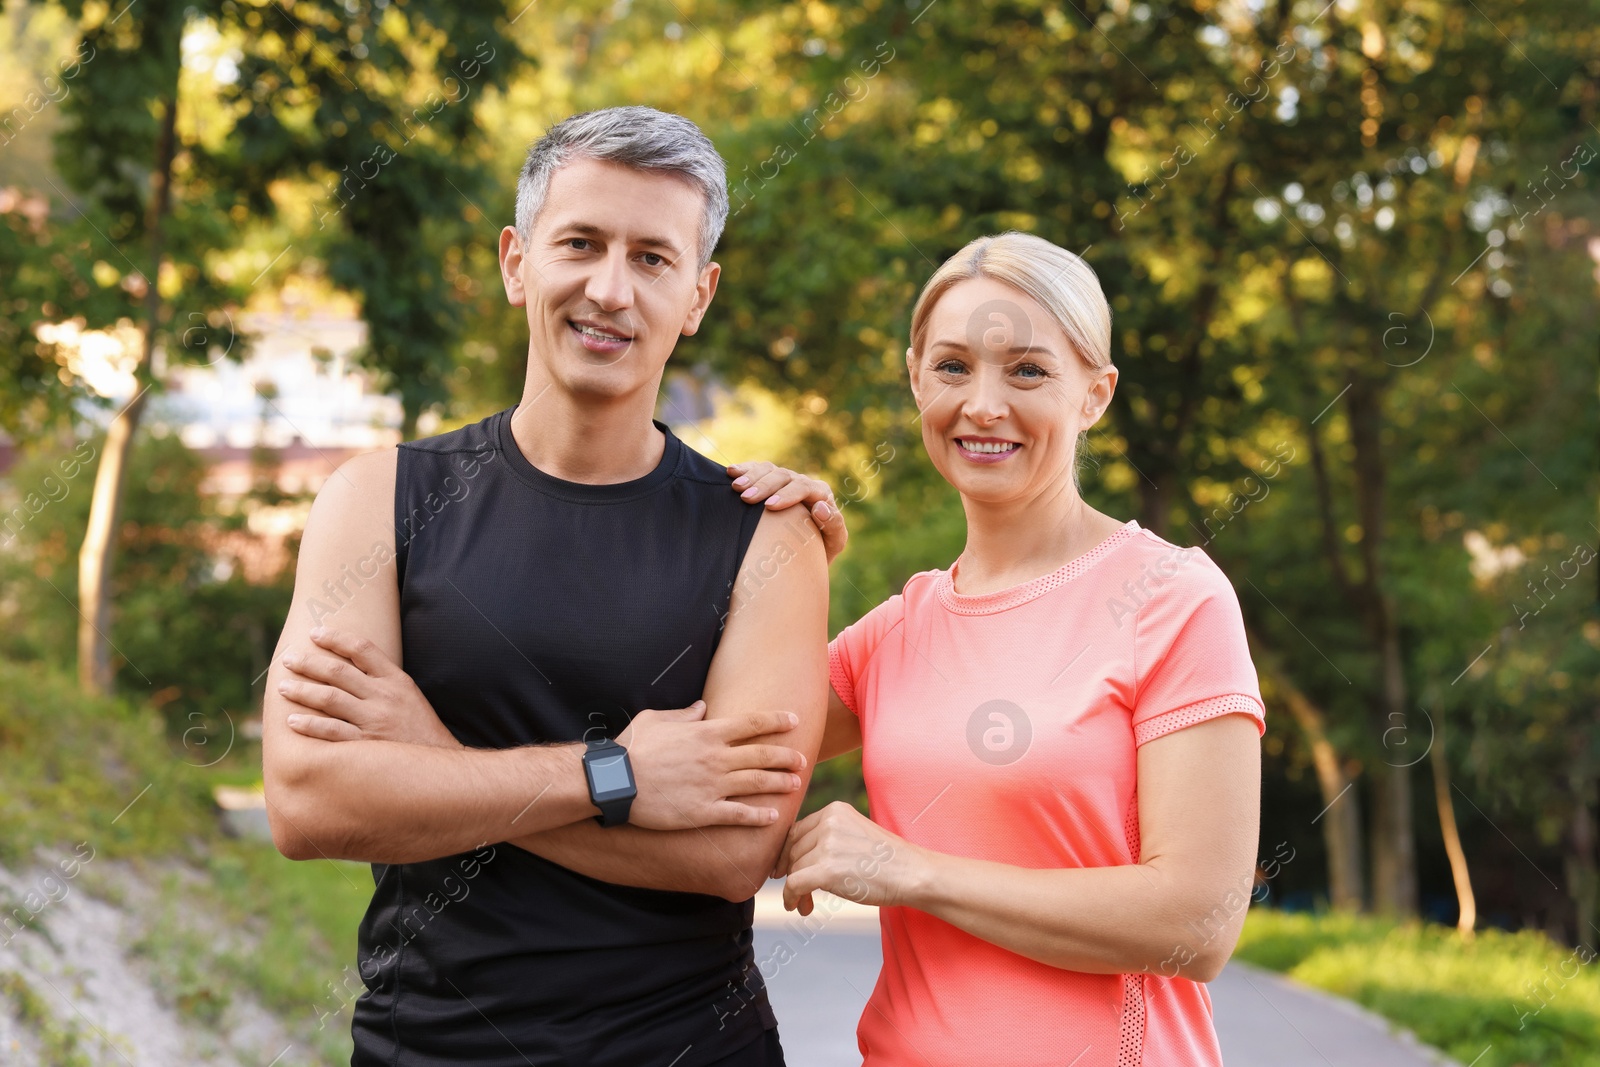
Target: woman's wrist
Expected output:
[917,876]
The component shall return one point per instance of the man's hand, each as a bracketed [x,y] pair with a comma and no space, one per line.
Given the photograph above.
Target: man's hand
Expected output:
[688,769]
[351,691]
[760,482]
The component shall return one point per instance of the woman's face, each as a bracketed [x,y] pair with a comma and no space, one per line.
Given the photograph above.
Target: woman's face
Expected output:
[1002,392]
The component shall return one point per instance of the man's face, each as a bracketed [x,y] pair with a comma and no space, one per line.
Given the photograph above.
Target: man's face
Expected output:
[610,275]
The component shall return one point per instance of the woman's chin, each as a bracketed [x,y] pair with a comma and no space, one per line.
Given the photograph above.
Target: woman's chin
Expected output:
[987,488]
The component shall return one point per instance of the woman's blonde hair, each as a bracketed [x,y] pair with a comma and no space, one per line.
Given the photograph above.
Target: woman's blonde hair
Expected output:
[1059,281]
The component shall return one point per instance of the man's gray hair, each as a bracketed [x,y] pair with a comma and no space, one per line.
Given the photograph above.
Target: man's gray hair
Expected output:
[638,137]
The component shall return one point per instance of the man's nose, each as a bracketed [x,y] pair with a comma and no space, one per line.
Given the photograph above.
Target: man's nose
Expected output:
[611,284]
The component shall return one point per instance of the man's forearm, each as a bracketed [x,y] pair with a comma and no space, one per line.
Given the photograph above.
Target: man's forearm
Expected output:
[387,802]
[724,861]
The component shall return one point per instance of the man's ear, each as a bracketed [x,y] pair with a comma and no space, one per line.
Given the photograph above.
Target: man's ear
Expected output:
[511,267]
[911,372]
[704,290]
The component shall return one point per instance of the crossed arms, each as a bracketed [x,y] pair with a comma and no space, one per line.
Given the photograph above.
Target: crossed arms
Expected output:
[370,774]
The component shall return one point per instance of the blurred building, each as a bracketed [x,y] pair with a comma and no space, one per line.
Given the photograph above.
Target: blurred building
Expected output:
[296,403]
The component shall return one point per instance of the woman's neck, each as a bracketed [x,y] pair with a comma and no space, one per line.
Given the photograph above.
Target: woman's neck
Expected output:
[1015,542]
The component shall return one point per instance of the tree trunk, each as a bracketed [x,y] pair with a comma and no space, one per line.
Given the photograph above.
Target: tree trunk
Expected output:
[1155,505]
[1341,815]
[105,508]
[1394,843]
[1452,837]
[1581,873]
[1393,836]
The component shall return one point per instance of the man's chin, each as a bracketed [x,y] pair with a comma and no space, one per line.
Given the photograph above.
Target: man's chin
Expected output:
[601,382]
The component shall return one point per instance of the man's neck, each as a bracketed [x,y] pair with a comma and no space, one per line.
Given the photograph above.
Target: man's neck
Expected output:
[595,442]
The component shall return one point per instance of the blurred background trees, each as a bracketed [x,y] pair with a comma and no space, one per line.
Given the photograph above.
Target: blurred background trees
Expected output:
[1351,252]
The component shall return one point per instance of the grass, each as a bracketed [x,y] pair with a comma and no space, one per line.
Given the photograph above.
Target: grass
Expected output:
[1513,999]
[58,1041]
[225,914]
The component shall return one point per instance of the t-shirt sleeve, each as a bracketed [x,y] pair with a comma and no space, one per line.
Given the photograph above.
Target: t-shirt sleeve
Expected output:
[1193,659]
[850,653]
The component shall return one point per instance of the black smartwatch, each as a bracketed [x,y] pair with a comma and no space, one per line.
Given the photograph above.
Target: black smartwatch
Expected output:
[611,785]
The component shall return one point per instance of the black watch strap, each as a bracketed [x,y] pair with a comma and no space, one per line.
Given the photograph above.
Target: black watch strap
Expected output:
[612,812]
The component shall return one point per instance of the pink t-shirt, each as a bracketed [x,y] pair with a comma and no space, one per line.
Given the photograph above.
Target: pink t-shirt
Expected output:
[1004,726]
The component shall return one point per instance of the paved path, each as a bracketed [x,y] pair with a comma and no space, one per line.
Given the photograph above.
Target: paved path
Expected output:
[829,965]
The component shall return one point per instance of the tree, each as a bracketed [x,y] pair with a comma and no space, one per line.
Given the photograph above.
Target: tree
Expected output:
[375,99]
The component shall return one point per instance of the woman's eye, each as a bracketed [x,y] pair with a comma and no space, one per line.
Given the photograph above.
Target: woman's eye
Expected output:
[1037,371]
[949,366]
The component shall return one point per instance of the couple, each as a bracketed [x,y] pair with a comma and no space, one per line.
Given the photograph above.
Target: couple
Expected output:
[544,673]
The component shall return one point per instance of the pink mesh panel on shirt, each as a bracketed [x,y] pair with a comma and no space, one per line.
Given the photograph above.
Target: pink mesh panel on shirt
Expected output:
[1130,1053]
[1199,711]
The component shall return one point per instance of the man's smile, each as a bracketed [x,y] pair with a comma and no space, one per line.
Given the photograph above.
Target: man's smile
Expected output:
[598,338]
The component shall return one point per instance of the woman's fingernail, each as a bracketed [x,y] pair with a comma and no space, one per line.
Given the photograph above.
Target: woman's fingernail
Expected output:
[748,493]
[283,687]
[795,779]
[296,720]
[802,761]
[823,511]
[772,501]
[740,482]
[772,814]
[794,720]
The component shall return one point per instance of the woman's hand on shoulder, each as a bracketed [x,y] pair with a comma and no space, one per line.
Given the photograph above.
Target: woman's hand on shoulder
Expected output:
[838,850]
[778,488]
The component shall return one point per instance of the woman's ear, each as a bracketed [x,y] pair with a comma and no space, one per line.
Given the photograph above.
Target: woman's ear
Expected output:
[911,372]
[1098,398]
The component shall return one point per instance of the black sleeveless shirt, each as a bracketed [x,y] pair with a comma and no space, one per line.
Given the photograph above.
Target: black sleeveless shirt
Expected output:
[535,610]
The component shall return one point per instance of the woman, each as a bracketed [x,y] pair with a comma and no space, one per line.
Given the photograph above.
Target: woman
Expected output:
[1059,734]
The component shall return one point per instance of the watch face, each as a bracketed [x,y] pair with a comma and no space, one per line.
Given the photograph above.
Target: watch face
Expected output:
[610,774]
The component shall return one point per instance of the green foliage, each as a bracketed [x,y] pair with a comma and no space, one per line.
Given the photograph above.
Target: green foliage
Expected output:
[1513,998]
[189,632]
[225,915]
[377,106]
[86,770]
[59,1041]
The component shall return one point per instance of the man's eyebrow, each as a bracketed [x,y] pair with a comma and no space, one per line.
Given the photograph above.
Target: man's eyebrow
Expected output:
[1015,350]
[589,229]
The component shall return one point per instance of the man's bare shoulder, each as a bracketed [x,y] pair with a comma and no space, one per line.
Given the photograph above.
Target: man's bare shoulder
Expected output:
[354,509]
[361,480]
[785,536]
[784,567]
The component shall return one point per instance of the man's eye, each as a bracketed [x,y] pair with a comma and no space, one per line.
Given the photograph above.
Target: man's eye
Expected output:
[578,244]
[653,260]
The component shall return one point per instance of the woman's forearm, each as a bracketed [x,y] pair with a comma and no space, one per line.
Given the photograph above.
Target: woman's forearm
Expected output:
[1099,920]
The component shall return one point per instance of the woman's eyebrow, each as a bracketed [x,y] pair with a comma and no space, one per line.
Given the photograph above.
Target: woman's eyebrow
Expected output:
[1015,350]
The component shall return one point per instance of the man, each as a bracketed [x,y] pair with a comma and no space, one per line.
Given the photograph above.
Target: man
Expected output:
[543,895]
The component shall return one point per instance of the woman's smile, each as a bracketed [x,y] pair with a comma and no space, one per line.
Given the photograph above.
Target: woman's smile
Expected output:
[987,450]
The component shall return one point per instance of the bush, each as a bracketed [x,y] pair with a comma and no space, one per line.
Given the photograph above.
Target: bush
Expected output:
[1520,996]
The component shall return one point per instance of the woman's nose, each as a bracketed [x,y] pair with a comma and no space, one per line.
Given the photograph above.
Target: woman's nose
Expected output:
[986,401]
